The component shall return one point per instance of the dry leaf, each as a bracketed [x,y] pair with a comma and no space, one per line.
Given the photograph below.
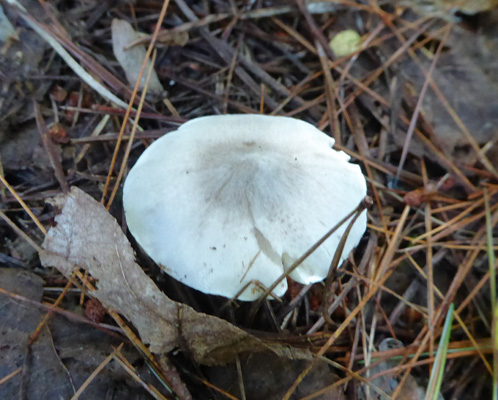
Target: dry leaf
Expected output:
[86,236]
[131,59]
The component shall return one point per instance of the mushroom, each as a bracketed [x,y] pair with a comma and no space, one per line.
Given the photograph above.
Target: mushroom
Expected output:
[226,201]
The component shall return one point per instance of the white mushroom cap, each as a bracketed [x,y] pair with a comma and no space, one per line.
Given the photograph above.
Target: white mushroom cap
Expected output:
[230,199]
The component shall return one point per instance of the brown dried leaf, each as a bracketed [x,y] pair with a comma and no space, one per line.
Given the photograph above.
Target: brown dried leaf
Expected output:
[86,236]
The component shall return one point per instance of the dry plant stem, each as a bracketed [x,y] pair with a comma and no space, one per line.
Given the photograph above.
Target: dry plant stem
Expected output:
[2,173]
[485,161]
[109,329]
[170,372]
[110,110]
[110,137]
[95,373]
[351,374]
[408,294]
[24,206]
[474,342]
[330,90]
[357,375]
[401,367]
[315,30]
[463,346]
[406,45]
[333,268]
[295,90]
[345,289]
[298,37]
[354,56]
[240,378]
[262,99]
[450,110]
[58,28]
[494,336]
[225,52]
[77,113]
[118,357]
[134,339]
[298,262]
[418,107]
[386,320]
[335,65]
[381,278]
[336,303]
[132,99]
[391,371]
[456,314]
[422,346]
[132,134]
[187,26]
[480,154]
[221,391]
[61,36]
[354,347]
[393,58]
[382,167]
[20,232]
[9,376]
[361,326]
[383,288]
[42,30]
[96,132]
[463,269]
[458,222]
[475,291]
[230,73]
[295,302]
[430,275]
[195,87]
[443,159]
[361,142]
[248,284]
[37,331]
[53,156]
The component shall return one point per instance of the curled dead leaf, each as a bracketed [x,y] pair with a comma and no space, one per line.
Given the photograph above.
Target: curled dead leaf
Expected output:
[87,236]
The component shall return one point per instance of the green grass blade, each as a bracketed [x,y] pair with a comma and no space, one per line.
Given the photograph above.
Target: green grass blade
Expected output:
[439,363]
